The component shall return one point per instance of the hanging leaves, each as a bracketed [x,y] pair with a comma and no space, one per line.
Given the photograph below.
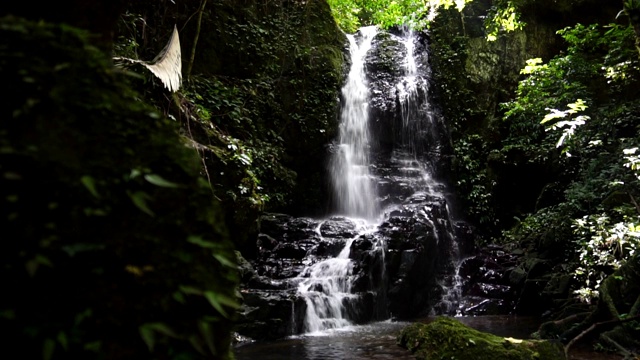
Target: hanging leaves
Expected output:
[167,66]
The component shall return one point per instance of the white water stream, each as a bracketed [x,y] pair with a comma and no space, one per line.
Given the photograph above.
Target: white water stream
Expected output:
[353,187]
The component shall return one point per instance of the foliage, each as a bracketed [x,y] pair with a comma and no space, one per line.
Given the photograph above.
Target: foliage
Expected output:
[603,246]
[503,17]
[115,247]
[351,14]
[595,80]
[570,125]
[261,104]
[476,186]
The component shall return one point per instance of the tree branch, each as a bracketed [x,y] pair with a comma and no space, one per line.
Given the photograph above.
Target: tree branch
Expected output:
[596,325]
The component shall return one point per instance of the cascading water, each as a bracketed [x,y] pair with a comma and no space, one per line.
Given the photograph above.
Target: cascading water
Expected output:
[418,137]
[353,188]
[327,285]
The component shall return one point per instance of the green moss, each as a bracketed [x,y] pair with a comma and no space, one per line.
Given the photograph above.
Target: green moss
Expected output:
[447,338]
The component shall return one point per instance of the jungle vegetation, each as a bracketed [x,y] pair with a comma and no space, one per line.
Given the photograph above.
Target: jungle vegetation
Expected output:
[121,238]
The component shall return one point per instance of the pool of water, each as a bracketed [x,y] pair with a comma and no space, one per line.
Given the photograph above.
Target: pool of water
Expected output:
[372,341]
[378,341]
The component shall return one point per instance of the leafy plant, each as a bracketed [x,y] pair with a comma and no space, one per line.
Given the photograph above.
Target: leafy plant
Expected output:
[603,245]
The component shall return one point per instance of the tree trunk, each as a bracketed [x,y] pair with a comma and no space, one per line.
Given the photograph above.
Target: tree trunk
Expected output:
[195,40]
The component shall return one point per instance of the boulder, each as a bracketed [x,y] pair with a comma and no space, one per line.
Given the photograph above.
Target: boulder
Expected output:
[447,338]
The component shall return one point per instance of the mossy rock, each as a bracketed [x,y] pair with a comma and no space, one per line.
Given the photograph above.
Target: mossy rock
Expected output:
[447,338]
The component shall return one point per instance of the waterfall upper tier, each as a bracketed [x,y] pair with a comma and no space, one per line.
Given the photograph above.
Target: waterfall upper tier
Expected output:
[353,189]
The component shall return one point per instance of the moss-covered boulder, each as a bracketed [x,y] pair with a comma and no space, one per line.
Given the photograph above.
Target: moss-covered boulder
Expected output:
[113,245]
[447,338]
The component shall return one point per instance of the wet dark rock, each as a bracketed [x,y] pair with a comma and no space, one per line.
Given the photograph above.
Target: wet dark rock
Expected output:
[488,282]
[245,269]
[282,227]
[363,243]
[338,227]
[328,248]
[290,251]
[384,69]
[268,315]
[266,242]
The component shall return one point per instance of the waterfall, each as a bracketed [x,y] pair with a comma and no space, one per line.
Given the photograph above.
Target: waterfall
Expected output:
[406,175]
[353,187]
[419,140]
[326,285]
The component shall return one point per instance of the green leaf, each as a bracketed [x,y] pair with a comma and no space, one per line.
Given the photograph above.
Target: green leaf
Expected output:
[196,342]
[148,336]
[76,248]
[90,184]
[80,317]
[207,335]
[198,240]
[160,181]
[214,300]
[48,348]
[33,264]
[134,173]
[148,330]
[139,199]
[93,346]
[62,339]
[554,114]
[224,261]
[162,328]
[190,290]
[218,300]
[179,297]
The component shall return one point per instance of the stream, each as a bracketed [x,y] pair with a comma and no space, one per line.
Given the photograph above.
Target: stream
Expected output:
[378,341]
